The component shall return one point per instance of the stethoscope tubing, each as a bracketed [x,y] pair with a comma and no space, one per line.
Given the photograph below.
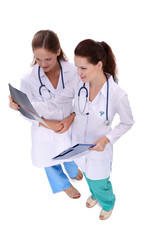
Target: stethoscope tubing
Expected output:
[79,93]
[107,122]
[107,98]
[42,85]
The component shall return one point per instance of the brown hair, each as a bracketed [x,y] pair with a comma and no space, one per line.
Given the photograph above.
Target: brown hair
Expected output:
[49,40]
[98,51]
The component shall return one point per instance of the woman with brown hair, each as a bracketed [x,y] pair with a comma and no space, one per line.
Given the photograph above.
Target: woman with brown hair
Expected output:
[97,99]
[96,67]
[49,73]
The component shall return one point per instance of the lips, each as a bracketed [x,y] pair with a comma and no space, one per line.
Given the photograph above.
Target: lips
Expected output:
[45,68]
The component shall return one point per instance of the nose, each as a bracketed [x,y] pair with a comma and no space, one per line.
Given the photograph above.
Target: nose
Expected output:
[43,64]
[79,72]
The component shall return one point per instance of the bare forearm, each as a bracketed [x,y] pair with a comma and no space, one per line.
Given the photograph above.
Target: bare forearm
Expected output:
[67,123]
[53,125]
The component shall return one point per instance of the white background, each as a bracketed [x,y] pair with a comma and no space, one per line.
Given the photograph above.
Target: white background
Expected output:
[28,209]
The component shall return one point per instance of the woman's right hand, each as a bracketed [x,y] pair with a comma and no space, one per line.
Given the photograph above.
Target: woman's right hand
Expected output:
[12,104]
[53,125]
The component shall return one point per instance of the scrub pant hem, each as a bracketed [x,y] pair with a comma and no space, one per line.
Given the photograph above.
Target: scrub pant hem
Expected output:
[71,168]
[66,186]
[57,178]
[102,191]
[108,209]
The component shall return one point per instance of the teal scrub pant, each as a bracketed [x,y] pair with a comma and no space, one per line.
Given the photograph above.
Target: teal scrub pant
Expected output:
[58,179]
[102,191]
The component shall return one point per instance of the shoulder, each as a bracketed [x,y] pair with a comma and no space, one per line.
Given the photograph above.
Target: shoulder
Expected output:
[29,78]
[68,67]
[69,71]
[31,73]
[115,90]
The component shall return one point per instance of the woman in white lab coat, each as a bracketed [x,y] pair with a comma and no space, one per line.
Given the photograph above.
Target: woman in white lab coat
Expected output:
[97,99]
[50,72]
[97,68]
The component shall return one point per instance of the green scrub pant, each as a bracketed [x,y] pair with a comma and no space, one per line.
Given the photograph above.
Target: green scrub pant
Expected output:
[102,191]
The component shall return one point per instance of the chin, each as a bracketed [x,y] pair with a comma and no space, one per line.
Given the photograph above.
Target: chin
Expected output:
[46,69]
[85,80]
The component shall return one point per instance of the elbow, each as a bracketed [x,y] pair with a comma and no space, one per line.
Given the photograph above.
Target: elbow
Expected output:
[128,126]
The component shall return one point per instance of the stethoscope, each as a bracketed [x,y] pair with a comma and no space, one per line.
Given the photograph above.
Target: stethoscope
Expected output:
[106,122]
[43,86]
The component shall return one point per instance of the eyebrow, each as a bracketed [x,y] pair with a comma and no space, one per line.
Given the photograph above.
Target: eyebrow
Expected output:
[43,59]
[80,66]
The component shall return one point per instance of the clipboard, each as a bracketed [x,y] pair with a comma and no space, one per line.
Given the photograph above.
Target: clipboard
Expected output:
[74,151]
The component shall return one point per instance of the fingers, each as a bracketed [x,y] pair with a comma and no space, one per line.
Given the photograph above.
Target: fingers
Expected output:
[64,129]
[93,148]
[59,124]
[65,126]
[98,148]
[61,131]
[10,98]
[100,144]
[12,104]
[59,128]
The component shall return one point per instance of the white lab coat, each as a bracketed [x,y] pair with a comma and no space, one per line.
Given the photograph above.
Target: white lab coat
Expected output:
[97,165]
[46,143]
[89,128]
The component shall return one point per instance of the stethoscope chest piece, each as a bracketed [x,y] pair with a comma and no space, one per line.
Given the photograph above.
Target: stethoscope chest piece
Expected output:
[107,122]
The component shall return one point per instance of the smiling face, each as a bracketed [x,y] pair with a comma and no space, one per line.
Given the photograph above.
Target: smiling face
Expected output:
[87,71]
[46,59]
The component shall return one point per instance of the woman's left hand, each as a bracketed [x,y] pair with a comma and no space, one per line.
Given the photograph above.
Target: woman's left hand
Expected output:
[100,144]
[66,123]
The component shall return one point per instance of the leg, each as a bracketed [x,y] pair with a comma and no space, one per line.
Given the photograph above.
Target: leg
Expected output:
[72,170]
[89,182]
[57,179]
[104,193]
[91,201]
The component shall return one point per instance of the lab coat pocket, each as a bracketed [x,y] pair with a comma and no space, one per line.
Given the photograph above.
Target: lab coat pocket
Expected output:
[106,154]
[98,163]
[41,134]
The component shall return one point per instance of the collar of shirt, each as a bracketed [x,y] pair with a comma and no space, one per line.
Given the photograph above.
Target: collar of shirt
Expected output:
[66,68]
[104,87]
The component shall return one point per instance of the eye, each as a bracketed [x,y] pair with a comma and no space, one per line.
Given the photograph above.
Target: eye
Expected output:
[49,59]
[37,59]
[83,68]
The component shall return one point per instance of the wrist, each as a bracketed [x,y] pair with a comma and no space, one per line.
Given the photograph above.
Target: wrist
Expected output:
[42,125]
[106,140]
[73,114]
